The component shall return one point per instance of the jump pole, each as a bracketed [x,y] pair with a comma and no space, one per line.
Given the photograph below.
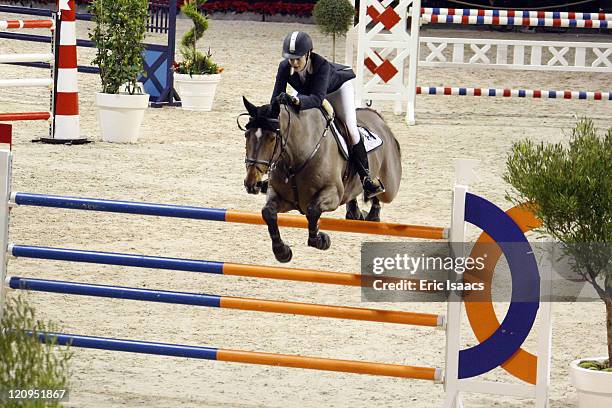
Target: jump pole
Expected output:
[192,265]
[227,215]
[227,302]
[19,24]
[515,21]
[12,117]
[517,13]
[247,357]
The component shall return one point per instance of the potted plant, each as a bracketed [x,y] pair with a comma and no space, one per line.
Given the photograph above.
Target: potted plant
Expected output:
[570,190]
[197,76]
[118,35]
[334,17]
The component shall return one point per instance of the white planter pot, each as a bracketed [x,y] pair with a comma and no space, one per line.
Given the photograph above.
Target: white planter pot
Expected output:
[120,116]
[197,92]
[594,387]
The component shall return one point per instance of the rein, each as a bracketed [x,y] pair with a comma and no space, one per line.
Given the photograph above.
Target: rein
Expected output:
[273,163]
[291,172]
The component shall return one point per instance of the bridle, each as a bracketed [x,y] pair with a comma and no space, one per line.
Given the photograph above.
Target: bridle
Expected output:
[272,164]
[265,124]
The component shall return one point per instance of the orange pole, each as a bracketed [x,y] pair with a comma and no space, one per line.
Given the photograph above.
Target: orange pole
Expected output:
[10,117]
[309,275]
[336,224]
[338,312]
[293,274]
[314,363]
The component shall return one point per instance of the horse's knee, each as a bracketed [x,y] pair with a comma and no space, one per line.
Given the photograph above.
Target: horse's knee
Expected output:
[313,211]
[268,214]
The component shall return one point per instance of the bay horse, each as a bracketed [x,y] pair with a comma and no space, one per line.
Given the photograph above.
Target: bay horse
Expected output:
[307,171]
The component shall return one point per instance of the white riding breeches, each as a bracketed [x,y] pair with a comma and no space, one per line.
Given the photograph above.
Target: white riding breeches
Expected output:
[343,102]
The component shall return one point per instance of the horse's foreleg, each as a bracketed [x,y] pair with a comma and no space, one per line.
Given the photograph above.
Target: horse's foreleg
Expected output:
[269,212]
[374,214]
[327,200]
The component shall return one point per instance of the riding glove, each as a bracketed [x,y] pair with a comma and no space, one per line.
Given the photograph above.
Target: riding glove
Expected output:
[287,99]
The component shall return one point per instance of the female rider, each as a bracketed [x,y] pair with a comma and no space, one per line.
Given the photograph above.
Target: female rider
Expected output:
[316,79]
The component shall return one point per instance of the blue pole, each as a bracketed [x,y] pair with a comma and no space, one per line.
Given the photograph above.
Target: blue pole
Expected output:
[126,207]
[131,346]
[111,258]
[116,292]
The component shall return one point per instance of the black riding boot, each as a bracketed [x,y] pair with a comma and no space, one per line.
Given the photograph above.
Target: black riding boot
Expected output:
[371,186]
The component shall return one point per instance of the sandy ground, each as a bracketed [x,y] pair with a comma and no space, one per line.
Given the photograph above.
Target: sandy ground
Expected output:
[197,159]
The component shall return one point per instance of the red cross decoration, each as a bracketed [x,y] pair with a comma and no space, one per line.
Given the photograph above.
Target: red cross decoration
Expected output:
[385,70]
[388,18]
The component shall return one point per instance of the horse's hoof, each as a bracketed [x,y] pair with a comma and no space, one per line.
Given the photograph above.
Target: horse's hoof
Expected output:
[359,215]
[322,241]
[373,217]
[282,253]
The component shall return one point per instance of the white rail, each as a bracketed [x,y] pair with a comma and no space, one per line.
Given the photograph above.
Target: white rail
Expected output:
[519,55]
[26,83]
[26,58]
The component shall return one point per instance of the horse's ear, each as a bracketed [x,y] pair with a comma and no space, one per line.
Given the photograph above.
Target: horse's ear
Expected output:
[274,109]
[252,109]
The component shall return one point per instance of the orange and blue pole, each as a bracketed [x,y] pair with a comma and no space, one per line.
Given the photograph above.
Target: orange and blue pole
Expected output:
[234,216]
[187,265]
[247,357]
[227,302]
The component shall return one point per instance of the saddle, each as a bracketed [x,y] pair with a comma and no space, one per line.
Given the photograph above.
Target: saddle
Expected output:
[340,131]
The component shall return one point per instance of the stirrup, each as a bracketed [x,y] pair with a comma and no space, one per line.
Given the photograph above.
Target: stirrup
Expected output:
[372,188]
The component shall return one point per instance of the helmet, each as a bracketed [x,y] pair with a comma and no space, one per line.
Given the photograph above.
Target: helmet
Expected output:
[296,44]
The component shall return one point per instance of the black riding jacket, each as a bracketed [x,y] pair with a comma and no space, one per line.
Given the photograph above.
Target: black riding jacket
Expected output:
[325,77]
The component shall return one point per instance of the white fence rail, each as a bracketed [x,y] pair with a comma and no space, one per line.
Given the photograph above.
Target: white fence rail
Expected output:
[517,55]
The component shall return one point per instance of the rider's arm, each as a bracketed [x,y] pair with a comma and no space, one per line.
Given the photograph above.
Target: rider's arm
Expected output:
[318,90]
[282,76]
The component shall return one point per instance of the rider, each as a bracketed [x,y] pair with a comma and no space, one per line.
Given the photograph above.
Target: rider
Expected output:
[316,79]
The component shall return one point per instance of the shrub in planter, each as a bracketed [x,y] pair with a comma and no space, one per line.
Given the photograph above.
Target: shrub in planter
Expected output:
[118,36]
[196,76]
[569,188]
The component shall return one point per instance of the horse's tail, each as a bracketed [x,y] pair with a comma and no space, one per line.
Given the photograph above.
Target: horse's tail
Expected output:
[390,132]
[399,149]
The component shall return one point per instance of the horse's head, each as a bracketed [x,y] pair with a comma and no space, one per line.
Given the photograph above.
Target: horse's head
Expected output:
[262,143]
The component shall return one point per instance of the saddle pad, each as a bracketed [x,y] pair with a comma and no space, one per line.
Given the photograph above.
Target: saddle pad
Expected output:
[371,140]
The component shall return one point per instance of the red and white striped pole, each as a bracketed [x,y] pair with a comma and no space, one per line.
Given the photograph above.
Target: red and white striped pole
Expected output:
[66,127]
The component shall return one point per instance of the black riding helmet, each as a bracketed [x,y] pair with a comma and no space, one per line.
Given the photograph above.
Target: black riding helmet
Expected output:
[296,45]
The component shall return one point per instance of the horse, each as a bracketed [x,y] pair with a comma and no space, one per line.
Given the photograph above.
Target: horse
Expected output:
[307,171]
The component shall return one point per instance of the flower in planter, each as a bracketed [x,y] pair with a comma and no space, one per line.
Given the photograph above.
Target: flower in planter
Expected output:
[195,62]
[266,8]
[199,66]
